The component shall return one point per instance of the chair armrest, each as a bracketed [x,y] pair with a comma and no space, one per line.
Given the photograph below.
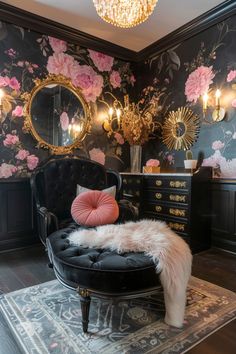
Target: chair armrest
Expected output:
[47,223]
[128,212]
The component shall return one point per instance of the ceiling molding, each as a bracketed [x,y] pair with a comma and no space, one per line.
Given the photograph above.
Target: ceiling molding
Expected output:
[15,15]
[12,14]
[197,25]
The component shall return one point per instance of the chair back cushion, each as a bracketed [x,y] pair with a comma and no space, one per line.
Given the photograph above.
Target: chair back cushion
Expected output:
[94,208]
[54,183]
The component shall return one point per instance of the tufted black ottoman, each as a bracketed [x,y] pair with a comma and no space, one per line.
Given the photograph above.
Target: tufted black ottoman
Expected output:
[100,272]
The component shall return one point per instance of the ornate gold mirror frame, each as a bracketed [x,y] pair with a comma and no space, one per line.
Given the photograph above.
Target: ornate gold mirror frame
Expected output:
[180,129]
[28,127]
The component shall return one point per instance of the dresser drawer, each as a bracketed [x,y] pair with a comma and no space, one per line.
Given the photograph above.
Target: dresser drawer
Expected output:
[166,210]
[131,181]
[128,192]
[181,183]
[179,226]
[167,196]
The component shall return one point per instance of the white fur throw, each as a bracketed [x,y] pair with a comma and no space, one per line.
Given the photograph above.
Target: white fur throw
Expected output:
[169,251]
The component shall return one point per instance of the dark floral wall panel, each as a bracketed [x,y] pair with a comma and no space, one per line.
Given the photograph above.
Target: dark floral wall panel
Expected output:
[180,77]
[26,55]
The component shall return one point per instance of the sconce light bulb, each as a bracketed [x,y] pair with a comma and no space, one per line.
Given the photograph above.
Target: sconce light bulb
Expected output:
[217,96]
[205,100]
[118,113]
[110,111]
[218,93]
[1,95]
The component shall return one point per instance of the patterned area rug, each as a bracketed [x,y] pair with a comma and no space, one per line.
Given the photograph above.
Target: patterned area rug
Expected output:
[47,319]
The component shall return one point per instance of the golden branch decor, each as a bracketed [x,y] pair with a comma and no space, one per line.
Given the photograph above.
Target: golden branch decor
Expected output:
[180,129]
[136,125]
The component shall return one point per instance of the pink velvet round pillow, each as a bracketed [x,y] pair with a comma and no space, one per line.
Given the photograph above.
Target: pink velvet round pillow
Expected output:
[94,208]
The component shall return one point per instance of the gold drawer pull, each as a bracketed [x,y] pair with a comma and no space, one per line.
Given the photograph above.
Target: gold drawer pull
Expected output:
[177,198]
[158,208]
[158,183]
[158,195]
[177,212]
[176,226]
[178,184]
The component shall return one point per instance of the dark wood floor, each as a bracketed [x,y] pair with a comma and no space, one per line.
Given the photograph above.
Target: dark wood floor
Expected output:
[27,267]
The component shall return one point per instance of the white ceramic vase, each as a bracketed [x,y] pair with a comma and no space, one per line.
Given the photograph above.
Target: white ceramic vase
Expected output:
[190,164]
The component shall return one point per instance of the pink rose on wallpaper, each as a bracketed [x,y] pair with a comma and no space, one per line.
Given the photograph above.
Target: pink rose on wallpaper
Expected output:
[58,45]
[132,80]
[18,111]
[170,158]
[198,83]
[61,63]
[233,103]
[97,155]
[64,120]
[115,79]
[231,75]
[153,163]
[10,140]
[7,170]
[214,160]
[4,81]
[102,61]
[89,81]
[217,145]
[32,162]
[20,63]
[14,83]
[119,138]
[22,154]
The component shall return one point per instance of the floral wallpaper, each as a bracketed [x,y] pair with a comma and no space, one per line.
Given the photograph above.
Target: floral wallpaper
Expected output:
[181,76]
[177,77]
[26,55]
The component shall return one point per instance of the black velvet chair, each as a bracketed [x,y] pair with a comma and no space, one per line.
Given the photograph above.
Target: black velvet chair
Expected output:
[92,272]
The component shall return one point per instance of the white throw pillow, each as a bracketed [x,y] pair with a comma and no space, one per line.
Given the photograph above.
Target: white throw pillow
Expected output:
[111,190]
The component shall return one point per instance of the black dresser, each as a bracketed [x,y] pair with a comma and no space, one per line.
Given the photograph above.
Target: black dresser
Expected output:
[182,200]
[17,224]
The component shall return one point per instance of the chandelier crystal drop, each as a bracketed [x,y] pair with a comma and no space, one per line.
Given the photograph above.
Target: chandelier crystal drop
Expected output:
[124,13]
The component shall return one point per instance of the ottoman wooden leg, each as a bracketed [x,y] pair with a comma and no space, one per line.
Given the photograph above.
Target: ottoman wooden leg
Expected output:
[85,305]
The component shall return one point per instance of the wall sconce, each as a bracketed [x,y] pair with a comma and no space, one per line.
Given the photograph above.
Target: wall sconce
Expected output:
[219,112]
[113,122]
[134,123]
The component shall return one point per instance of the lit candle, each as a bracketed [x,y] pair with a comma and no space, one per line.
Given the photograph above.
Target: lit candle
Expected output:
[69,128]
[110,112]
[118,113]
[1,96]
[217,96]
[205,100]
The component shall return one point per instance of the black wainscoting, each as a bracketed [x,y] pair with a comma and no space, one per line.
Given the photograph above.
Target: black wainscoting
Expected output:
[17,221]
[224,214]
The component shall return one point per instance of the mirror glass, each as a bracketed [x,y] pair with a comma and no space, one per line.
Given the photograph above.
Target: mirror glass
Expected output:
[179,129]
[57,115]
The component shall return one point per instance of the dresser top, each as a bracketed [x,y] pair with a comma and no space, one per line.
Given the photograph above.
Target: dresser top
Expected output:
[177,174]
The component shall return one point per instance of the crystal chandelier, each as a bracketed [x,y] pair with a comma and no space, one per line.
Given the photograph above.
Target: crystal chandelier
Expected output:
[124,13]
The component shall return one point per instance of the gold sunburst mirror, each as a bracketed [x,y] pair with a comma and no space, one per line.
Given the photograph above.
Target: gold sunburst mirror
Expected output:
[180,129]
[56,114]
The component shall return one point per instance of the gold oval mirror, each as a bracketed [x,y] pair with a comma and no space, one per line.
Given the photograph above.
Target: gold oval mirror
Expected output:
[56,114]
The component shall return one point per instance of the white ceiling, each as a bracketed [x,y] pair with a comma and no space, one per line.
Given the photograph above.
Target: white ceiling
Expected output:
[81,14]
